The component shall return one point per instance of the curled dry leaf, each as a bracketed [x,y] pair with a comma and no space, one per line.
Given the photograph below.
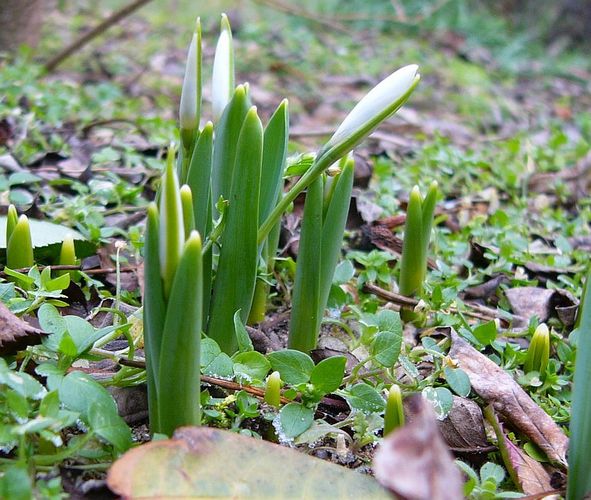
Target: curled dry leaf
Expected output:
[16,334]
[509,400]
[463,428]
[531,301]
[414,463]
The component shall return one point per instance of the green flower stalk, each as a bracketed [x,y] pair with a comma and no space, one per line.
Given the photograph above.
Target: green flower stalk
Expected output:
[417,233]
[321,237]
[273,390]
[19,247]
[394,414]
[538,352]
[579,460]
[190,105]
[223,70]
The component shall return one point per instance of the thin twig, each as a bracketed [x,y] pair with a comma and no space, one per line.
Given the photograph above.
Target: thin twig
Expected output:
[99,29]
[476,311]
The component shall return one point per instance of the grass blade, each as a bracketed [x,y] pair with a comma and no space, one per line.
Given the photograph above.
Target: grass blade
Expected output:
[579,460]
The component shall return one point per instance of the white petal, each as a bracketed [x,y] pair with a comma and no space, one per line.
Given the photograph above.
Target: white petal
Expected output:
[376,101]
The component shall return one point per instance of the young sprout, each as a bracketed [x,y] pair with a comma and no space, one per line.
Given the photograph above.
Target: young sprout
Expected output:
[19,248]
[67,255]
[190,106]
[223,70]
[187,207]
[11,221]
[538,351]
[273,390]
[172,237]
[417,232]
[394,414]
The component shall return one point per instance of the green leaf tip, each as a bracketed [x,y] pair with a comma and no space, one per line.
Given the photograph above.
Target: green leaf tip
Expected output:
[19,250]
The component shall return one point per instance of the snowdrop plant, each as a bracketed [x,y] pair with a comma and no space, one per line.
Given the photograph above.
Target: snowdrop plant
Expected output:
[172,310]
[234,167]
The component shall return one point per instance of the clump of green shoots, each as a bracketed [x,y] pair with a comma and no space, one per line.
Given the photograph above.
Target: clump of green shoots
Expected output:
[233,168]
[238,160]
[579,460]
[172,310]
[417,233]
[323,224]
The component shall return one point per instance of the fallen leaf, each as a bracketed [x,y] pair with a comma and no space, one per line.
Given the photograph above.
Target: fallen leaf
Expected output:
[207,462]
[498,388]
[414,463]
[463,428]
[526,472]
[16,334]
[544,303]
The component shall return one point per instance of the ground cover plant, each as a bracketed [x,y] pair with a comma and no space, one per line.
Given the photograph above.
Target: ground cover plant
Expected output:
[451,320]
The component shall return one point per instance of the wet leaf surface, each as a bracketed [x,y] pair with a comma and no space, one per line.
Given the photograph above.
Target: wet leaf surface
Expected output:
[206,462]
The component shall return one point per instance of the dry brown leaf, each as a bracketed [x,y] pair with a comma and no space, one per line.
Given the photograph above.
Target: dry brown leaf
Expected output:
[531,475]
[414,463]
[508,399]
[463,428]
[16,334]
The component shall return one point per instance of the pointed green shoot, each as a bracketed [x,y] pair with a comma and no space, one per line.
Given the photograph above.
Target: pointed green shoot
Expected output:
[154,312]
[19,250]
[172,234]
[178,378]
[380,103]
[11,221]
[227,132]
[394,414]
[273,390]
[274,154]
[67,255]
[538,352]
[190,106]
[187,208]
[223,70]
[237,266]
[199,178]
[579,460]
[413,258]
